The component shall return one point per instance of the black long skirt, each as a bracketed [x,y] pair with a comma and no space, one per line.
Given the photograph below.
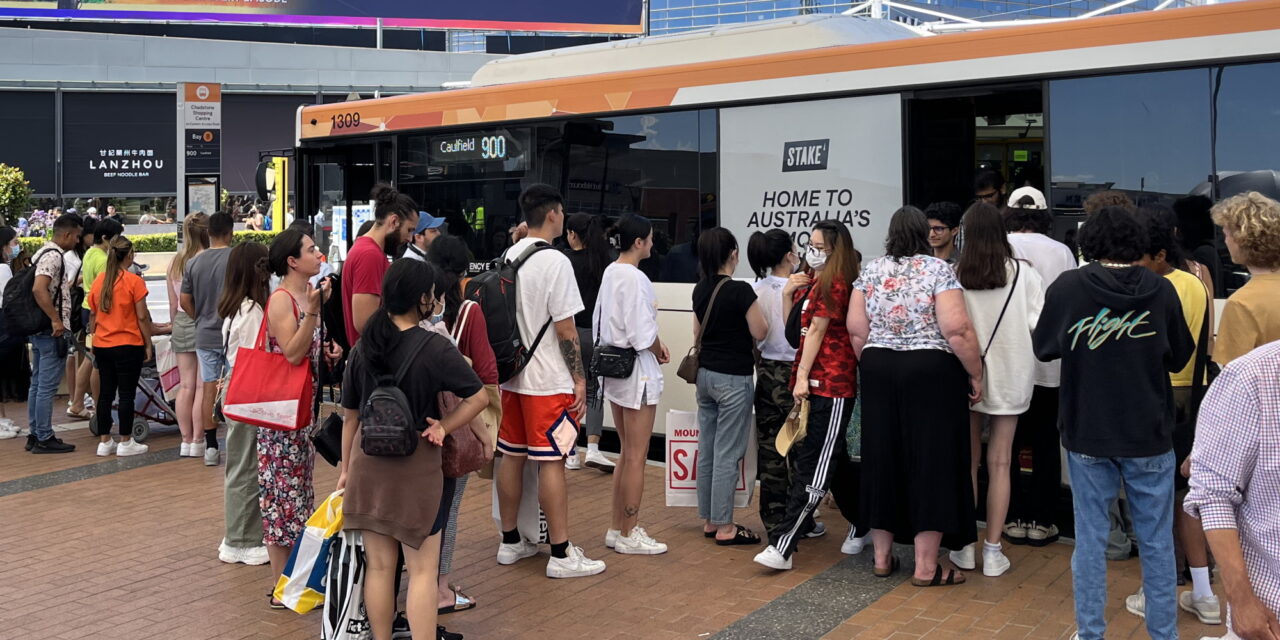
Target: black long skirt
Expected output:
[915,445]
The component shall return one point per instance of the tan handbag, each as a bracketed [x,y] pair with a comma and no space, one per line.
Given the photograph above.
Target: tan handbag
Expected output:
[688,370]
[794,428]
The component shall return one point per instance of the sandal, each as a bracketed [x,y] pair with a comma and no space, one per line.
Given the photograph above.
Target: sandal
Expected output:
[273,603]
[741,536]
[83,415]
[461,602]
[894,565]
[954,577]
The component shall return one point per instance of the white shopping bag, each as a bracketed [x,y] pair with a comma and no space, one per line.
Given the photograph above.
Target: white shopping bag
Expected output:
[682,462]
[531,521]
[344,613]
[166,367]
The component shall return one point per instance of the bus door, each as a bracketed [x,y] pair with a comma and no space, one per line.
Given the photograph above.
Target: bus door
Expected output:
[336,183]
[952,134]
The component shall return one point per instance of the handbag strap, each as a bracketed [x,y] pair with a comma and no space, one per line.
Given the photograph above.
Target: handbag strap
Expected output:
[1202,356]
[261,343]
[702,326]
[464,313]
[1017,270]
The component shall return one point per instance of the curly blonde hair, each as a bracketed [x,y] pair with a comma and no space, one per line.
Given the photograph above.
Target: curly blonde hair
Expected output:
[1254,222]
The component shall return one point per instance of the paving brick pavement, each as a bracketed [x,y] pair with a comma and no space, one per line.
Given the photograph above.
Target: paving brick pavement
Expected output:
[133,554]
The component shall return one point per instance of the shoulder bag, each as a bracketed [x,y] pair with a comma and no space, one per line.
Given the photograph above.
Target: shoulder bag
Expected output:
[265,389]
[688,370]
[792,330]
[465,450]
[1017,271]
[609,361]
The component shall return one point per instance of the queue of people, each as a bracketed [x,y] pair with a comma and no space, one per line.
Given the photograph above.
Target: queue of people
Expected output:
[1114,361]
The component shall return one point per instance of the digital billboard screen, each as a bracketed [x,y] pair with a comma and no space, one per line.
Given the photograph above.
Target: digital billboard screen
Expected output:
[593,16]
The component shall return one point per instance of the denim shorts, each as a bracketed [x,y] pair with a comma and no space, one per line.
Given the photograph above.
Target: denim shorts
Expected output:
[213,364]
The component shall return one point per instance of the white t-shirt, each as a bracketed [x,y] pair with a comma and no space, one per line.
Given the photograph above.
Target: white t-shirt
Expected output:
[626,314]
[1050,259]
[769,296]
[241,330]
[6,274]
[546,290]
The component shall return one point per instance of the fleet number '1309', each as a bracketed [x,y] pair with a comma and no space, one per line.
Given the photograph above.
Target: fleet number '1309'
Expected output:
[345,120]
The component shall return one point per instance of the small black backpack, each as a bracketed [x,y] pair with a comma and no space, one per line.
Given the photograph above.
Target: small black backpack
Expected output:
[22,316]
[388,426]
[495,292]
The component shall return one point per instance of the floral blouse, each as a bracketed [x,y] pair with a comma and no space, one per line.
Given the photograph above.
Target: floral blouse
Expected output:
[901,295]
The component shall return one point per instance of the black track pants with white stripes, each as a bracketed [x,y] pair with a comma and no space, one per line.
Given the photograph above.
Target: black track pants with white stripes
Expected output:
[812,461]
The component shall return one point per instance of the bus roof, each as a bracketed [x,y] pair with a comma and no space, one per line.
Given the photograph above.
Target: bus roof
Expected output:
[1233,31]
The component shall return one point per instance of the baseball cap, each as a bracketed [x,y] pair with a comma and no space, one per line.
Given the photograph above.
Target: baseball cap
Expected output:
[1038,201]
[93,211]
[427,221]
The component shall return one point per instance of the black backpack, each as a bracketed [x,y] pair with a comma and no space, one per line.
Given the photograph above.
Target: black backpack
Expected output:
[22,316]
[495,292]
[388,426]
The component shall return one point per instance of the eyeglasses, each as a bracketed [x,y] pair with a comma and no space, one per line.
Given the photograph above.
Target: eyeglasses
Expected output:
[939,229]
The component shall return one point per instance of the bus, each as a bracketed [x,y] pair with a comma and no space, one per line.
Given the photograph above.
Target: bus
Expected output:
[783,124]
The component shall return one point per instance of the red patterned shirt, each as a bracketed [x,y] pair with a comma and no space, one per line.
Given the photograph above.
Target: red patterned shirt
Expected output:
[835,371]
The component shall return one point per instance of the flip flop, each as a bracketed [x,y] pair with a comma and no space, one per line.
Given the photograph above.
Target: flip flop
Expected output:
[83,415]
[885,573]
[461,602]
[937,580]
[741,536]
[273,603]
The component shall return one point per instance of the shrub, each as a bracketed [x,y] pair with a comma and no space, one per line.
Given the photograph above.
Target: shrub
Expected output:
[15,194]
[159,242]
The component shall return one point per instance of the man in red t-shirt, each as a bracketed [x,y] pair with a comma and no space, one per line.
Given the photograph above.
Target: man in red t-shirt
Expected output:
[395,216]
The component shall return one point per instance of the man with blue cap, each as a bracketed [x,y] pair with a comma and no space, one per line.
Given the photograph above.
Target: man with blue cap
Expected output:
[429,228]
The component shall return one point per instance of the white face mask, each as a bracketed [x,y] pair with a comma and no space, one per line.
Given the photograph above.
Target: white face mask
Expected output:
[816,259]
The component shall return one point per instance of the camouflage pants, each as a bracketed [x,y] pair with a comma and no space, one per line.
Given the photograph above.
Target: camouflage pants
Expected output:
[772,404]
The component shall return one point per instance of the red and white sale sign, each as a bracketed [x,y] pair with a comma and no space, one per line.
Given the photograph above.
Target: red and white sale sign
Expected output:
[682,462]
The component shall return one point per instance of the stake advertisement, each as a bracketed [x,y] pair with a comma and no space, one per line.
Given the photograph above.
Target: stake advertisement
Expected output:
[791,166]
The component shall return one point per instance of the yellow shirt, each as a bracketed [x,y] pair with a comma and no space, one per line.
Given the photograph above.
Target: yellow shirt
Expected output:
[1191,292]
[1250,319]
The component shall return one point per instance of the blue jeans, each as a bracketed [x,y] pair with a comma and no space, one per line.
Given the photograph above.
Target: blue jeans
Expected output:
[1148,485]
[48,364]
[724,424]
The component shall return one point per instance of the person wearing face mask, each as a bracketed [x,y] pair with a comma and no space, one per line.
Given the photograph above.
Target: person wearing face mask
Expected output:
[824,375]
[395,216]
[734,322]
[15,379]
[773,259]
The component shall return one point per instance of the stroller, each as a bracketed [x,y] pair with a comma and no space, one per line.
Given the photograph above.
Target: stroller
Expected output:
[149,404]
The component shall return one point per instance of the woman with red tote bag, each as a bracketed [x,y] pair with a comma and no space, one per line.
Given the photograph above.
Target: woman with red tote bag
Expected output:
[286,458]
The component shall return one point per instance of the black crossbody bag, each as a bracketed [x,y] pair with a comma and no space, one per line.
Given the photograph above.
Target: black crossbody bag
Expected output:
[611,362]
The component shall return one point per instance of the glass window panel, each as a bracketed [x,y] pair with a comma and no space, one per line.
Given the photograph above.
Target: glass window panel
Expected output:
[1146,134]
[1249,118]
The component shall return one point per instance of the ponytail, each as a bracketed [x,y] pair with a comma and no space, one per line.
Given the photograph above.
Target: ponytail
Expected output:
[766,249]
[117,252]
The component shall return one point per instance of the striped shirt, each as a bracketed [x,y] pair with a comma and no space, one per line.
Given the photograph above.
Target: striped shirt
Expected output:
[1235,464]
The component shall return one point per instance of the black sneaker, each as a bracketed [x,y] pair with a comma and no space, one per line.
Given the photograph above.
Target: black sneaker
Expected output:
[400,628]
[52,445]
[445,634]
[31,441]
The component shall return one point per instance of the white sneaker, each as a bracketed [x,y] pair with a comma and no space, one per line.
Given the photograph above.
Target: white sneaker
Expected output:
[210,457]
[242,555]
[184,451]
[130,448]
[639,543]
[1137,604]
[964,558]
[611,537]
[574,564]
[994,563]
[773,559]
[819,530]
[852,546]
[195,450]
[1206,609]
[596,460]
[107,448]
[8,430]
[513,553]
[573,462]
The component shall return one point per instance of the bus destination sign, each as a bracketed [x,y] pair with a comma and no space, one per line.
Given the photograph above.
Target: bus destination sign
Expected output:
[508,146]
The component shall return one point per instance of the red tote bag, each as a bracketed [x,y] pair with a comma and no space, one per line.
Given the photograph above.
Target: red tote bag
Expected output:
[266,391]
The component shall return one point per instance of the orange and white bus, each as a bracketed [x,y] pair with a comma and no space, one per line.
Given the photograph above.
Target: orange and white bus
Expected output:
[781,124]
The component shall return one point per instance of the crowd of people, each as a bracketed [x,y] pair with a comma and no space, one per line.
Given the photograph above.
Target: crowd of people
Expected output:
[1105,349]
